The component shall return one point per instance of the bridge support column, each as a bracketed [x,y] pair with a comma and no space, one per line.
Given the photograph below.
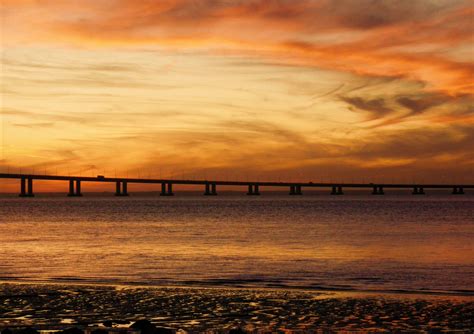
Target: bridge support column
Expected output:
[166,189]
[78,188]
[458,191]
[253,190]
[23,187]
[121,188]
[118,191]
[71,188]
[378,191]
[418,191]
[211,189]
[250,192]
[295,190]
[298,190]
[337,190]
[30,187]
[74,191]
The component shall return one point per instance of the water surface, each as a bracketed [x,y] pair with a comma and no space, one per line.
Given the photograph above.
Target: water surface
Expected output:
[319,242]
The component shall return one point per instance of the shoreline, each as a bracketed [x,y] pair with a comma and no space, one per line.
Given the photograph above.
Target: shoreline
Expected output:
[196,309]
[332,292]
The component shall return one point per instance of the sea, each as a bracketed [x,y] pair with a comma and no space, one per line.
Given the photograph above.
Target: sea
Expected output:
[392,243]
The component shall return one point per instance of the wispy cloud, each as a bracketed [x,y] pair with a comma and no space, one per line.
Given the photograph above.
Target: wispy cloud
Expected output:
[419,104]
[382,38]
[377,107]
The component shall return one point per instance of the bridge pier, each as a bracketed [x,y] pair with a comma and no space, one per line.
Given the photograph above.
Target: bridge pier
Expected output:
[26,187]
[30,187]
[118,190]
[253,190]
[71,188]
[210,189]
[295,190]
[23,187]
[78,188]
[458,191]
[74,191]
[337,190]
[121,188]
[418,191]
[378,190]
[166,189]
[298,190]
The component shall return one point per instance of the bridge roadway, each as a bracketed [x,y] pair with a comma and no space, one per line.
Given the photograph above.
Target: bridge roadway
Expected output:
[210,187]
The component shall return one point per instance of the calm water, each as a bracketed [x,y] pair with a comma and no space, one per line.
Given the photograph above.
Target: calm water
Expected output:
[348,242]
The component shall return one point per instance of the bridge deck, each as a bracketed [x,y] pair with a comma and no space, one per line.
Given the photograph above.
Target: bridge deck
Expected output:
[233,183]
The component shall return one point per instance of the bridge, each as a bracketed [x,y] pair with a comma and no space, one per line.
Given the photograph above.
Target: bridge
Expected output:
[210,187]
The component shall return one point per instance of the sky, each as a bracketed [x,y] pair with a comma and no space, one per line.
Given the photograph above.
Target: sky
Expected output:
[298,90]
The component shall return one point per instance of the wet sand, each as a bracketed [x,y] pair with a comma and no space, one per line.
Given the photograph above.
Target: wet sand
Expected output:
[49,306]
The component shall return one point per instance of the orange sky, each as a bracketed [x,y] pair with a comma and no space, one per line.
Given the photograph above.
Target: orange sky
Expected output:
[267,89]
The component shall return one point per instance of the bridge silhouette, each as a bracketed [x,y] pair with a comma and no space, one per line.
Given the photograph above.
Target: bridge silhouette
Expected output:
[210,187]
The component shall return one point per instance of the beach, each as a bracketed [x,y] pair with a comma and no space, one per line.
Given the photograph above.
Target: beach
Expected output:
[194,310]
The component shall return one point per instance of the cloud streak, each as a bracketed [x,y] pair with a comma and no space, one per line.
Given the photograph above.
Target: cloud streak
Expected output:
[367,37]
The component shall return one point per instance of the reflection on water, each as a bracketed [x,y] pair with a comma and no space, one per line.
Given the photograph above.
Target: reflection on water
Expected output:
[318,242]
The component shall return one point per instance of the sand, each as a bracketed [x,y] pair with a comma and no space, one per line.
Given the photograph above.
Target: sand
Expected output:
[49,306]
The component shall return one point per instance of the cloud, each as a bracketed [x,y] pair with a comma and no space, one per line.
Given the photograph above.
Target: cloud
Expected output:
[370,14]
[34,125]
[287,14]
[266,130]
[44,118]
[387,108]
[436,73]
[369,37]
[421,144]
[419,104]
[377,108]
